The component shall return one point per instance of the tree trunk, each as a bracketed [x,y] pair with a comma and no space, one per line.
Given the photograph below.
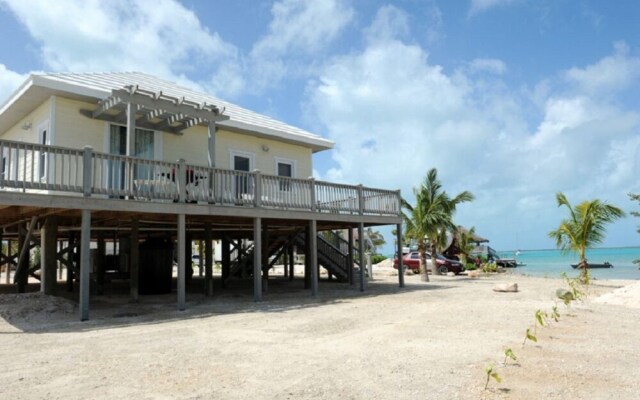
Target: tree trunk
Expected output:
[434,264]
[424,275]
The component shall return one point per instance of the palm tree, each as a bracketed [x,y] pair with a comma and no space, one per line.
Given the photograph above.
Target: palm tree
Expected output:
[428,221]
[377,239]
[584,228]
[466,243]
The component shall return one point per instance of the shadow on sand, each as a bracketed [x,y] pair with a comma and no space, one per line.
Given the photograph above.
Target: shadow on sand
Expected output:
[34,313]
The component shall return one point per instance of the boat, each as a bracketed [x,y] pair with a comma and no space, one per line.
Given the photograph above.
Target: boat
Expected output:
[606,264]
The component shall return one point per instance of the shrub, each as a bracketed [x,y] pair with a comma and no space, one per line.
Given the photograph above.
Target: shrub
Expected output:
[470,267]
[489,267]
[376,258]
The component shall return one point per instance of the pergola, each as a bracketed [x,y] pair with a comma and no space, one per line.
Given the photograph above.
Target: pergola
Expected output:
[140,108]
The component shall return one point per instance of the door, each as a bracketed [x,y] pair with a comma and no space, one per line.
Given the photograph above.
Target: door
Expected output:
[144,148]
[242,182]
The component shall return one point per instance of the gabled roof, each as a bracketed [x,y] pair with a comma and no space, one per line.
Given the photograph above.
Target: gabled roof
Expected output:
[93,87]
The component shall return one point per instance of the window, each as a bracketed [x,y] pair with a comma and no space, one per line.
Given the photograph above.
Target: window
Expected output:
[285,168]
[242,161]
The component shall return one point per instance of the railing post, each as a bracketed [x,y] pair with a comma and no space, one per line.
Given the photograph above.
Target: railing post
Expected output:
[257,191]
[360,200]
[87,172]
[181,180]
[312,194]
[399,210]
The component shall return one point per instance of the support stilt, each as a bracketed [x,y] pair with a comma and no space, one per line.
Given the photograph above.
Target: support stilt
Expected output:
[182,243]
[399,250]
[85,267]
[362,258]
[134,261]
[313,251]
[208,258]
[257,259]
[48,261]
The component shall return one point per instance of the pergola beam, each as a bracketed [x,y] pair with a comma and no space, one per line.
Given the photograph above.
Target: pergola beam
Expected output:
[155,105]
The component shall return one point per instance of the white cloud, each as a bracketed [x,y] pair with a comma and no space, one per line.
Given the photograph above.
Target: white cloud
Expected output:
[393,115]
[299,30]
[610,74]
[9,81]
[390,23]
[490,65]
[478,6]
[160,37]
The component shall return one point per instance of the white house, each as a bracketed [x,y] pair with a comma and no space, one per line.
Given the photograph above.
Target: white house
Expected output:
[106,157]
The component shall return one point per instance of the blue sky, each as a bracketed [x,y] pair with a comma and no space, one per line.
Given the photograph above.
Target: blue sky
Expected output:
[513,100]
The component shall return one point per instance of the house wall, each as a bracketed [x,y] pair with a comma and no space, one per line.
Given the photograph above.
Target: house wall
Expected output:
[75,130]
[25,165]
[36,118]
[192,146]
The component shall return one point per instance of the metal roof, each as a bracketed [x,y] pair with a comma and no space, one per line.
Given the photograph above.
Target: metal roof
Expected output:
[99,86]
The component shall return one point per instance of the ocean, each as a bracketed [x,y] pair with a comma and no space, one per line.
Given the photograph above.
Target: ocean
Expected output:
[552,263]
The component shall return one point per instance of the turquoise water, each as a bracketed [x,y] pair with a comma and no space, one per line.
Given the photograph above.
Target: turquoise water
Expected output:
[552,263]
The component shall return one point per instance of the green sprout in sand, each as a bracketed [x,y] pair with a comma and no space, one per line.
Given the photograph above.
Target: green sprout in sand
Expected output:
[555,314]
[491,374]
[541,319]
[508,353]
[529,336]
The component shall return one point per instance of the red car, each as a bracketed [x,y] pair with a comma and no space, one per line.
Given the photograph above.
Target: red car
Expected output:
[412,261]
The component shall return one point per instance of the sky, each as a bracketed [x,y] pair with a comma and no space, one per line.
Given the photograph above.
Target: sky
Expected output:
[513,100]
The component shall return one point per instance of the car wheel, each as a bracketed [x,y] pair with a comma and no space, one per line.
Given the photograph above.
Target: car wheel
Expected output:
[443,270]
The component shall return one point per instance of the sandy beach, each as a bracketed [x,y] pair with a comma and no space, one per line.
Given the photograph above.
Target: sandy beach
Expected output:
[428,340]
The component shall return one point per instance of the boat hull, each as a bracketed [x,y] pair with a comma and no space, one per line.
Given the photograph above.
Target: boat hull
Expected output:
[592,266]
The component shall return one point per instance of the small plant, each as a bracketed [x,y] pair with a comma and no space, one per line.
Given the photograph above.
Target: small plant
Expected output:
[489,267]
[555,314]
[541,319]
[491,374]
[574,286]
[529,336]
[470,267]
[508,353]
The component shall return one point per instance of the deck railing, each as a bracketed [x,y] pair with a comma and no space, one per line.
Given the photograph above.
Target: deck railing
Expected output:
[33,167]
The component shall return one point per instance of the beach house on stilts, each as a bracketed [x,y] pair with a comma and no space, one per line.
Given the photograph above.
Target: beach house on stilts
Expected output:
[118,173]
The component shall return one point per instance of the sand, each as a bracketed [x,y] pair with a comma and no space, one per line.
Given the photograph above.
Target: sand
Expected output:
[429,340]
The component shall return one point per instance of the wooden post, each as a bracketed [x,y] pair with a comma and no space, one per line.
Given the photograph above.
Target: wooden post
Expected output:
[211,144]
[188,253]
[264,259]
[85,267]
[48,236]
[313,251]
[131,143]
[362,258]
[307,258]
[100,262]
[226,260]
[399,250]
[200,259]
[350,257]
[292,262]
[21,276]
[208,256]
[134,261]
[182,243]
[257,259]
[8,270]
[71,259]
